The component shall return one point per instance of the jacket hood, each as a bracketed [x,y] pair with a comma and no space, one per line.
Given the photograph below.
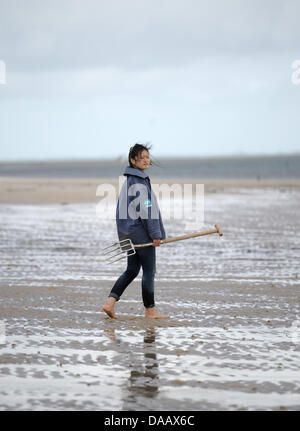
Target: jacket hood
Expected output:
[134,171]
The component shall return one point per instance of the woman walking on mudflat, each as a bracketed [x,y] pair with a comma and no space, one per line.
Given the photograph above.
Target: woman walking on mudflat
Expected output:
[141,225]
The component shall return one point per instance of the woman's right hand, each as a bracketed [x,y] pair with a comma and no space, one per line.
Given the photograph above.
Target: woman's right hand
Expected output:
[156,242]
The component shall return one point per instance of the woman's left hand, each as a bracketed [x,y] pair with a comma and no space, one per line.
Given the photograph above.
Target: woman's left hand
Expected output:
[156,242]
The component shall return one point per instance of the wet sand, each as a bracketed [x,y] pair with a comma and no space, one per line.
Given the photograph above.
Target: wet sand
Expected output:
[225,348]
[232,342]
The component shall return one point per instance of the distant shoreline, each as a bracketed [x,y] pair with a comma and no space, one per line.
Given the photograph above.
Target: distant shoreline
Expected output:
[238,168]
[18,190]
[117,159]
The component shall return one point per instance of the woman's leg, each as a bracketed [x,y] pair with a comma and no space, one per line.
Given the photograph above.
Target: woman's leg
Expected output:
[147,257]
[132,270]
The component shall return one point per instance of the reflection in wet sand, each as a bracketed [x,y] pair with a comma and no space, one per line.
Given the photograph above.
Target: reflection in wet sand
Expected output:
[144,376]
[143,368]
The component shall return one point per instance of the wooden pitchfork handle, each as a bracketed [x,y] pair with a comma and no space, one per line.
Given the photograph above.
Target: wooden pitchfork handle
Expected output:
[182,237]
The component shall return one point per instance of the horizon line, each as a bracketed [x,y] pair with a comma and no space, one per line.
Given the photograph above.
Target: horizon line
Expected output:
[122,158]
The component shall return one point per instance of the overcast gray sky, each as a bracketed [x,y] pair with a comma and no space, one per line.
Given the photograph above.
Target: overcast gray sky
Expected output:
[88,79]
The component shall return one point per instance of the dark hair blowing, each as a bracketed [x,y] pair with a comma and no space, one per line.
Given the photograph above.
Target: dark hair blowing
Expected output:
[136,150]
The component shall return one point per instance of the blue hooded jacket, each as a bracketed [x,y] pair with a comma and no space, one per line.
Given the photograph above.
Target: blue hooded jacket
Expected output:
[138,216]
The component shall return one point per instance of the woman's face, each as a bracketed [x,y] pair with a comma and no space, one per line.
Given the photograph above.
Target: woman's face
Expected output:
[142,161]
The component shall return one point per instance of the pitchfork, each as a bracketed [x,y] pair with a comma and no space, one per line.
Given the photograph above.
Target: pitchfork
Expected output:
[127,248]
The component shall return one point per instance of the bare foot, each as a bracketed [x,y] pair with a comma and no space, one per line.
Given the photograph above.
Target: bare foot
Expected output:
[109,308]
[151,313]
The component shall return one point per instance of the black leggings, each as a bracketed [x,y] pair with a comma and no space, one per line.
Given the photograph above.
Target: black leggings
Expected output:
[145,258]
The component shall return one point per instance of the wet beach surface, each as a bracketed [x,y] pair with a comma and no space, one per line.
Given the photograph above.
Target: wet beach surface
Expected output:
[233,339]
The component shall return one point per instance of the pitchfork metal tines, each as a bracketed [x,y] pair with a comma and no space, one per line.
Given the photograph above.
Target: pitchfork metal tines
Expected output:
[120,250]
